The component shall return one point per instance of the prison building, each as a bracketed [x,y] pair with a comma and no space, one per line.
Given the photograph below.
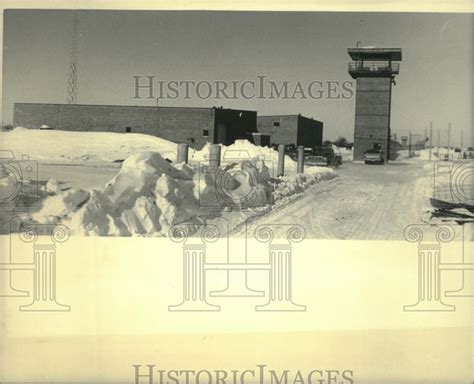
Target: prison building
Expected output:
[374,70]
[192,125]
[291,129]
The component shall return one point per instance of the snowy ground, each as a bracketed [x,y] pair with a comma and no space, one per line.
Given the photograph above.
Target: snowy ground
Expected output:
[129,184]
[346,154]
[80,148]
[364,202]
[369,202]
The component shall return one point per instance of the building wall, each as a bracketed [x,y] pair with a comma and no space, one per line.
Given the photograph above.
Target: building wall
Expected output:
[292,129]
[372,114]
[195,126]
[284,133]
[310,132]
[232,124]
[259,139]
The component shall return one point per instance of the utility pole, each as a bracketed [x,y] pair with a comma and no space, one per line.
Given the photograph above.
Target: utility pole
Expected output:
[431,139]
[462,139]
[409,144]
[438,144]
[449,138]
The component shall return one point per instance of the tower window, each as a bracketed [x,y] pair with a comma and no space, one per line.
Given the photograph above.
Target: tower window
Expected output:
[205,132]
[276,123]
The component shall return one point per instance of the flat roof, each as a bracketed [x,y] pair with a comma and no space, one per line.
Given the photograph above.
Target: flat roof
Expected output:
[134,106]
[372,53]
[289,115]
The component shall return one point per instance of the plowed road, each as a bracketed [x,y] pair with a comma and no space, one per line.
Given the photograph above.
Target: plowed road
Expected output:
[373,202]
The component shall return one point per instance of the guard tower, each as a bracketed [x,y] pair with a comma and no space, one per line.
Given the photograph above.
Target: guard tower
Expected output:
[375,70]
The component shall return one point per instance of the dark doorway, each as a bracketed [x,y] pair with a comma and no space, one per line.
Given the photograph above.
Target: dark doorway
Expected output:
[128,129]
[221,134]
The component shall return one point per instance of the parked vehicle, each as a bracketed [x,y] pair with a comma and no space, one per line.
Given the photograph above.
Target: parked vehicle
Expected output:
[319,156]
[468,154]
[323,156]
[338,155]
[373,156]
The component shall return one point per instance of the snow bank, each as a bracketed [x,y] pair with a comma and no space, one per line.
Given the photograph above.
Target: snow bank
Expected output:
[108,147]
[52,187]
[243,149]
[146,197]
[424,155]
[81,147]
[290,186]
[56,207]
[149,194]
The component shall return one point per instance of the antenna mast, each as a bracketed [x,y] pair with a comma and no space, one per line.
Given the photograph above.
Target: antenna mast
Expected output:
[71,97]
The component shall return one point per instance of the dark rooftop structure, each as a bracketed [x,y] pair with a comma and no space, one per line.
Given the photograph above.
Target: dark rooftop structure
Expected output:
[372,53]
[375,62]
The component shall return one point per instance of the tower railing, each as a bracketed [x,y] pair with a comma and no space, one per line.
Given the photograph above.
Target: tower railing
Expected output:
[374,66]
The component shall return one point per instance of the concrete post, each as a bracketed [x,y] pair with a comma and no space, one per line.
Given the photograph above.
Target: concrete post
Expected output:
[215,155]
[300,159]
[449,138]
[182,155]
[281,160]
[431,139]
[409,144]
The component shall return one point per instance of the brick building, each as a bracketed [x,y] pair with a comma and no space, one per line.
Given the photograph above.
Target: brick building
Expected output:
[195,126]
[291,129]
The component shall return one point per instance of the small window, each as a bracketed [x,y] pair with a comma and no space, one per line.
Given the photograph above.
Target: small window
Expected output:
[128,129]
[205,132]
[276,123]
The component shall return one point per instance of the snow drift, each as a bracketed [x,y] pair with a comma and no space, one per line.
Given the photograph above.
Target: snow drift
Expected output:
[149,195]
[242,150]
[146,197]
[81,147]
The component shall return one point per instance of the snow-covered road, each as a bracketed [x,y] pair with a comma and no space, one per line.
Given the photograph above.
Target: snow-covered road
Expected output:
[373,202]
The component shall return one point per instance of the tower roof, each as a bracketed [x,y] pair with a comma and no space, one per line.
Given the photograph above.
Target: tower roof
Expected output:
[372,53]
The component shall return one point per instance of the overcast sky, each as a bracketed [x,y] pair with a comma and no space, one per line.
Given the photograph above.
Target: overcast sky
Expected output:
[435,81]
